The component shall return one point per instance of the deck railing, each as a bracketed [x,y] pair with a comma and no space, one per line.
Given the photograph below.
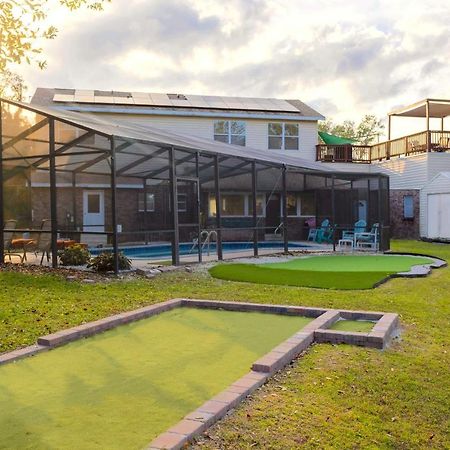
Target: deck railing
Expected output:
[343,153]
[425,141]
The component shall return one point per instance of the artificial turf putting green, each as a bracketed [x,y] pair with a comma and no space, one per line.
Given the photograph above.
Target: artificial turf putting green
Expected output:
[330,272]
[121,388]
[360,326]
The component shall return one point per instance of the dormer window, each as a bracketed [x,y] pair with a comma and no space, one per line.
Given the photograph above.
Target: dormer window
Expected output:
[230,132]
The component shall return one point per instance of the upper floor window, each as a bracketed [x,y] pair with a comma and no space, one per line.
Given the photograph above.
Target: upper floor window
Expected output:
[230,132]
[283,136]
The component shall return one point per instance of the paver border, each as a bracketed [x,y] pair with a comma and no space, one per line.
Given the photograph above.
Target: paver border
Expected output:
[196,422]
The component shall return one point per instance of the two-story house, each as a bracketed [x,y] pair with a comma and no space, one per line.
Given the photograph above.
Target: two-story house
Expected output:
[279,127]
[414,163]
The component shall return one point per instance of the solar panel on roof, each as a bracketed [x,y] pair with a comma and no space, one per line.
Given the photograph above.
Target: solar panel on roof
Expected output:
[63,98]
[84,99]
[176,100]
[106,100]
[160,99]
[140,95]
[123,100]
[84,92]
[197,101]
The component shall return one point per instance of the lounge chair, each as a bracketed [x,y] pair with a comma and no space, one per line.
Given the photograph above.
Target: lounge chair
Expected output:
[370,240]
[7,239]
[43,242]
[360,227]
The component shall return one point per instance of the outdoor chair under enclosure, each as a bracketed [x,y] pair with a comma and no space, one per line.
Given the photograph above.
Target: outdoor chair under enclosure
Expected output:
[324,233]
[360,227]
[368,240]
[8,235]
[43,242]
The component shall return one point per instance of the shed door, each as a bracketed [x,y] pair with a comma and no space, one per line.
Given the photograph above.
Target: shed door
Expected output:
[439,216]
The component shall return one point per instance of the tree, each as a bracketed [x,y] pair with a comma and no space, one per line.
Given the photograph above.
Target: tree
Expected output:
[12,86]
[365,132]
[22,26]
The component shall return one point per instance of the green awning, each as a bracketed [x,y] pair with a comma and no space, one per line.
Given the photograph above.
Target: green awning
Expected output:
[330,139]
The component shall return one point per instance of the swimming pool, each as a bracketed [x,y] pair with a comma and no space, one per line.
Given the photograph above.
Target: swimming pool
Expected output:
[153,251]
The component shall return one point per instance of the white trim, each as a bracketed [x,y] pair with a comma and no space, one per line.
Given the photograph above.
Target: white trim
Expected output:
[222,113]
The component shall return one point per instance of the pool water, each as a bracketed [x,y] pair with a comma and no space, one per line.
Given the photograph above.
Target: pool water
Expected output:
[152,251]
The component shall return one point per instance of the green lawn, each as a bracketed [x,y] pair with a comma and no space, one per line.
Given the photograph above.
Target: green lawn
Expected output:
[333,397]
[327,272]
[121,388]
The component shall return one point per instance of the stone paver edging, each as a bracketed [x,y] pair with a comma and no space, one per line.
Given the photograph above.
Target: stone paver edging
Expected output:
[196,422]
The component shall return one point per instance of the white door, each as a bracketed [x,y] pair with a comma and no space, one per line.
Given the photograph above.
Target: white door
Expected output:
[439,216]
[93,211]
[362,210]
[445,216]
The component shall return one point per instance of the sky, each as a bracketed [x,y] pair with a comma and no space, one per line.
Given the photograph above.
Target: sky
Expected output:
[345,58]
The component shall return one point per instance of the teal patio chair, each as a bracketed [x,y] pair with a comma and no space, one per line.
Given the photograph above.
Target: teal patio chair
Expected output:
[369,240]
[359,227]
[324,232]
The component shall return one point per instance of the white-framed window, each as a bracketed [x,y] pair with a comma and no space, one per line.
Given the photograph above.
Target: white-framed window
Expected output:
[299,204]
[408,207]
[282,136]
[237,204]
[293,205]
[182,202]
[230,132]
[148,205]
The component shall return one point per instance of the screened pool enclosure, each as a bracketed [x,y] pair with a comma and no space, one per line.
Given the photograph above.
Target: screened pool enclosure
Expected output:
[107,183]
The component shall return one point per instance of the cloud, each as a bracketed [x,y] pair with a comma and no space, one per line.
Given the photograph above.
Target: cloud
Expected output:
[347,58]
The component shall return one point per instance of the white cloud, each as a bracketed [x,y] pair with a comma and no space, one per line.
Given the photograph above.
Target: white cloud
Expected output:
[347,58]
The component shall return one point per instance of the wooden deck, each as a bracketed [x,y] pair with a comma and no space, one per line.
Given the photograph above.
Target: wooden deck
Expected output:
[423,142]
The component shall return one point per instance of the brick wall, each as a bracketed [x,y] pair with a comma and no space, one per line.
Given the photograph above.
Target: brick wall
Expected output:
[400,227]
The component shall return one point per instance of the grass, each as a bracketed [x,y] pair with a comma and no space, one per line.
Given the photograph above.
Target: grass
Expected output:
[326,272]
[333,397]
[120,389]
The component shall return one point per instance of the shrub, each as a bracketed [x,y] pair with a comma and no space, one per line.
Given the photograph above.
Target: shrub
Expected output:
[104,262]
[75,255]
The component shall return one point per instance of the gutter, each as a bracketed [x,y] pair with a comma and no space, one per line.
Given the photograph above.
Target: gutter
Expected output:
[153,112]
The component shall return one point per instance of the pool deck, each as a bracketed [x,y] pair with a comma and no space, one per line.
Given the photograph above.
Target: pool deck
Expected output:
[386,326]
[146,263]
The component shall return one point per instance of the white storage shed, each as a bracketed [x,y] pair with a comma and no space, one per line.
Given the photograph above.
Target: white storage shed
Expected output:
[435,208]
